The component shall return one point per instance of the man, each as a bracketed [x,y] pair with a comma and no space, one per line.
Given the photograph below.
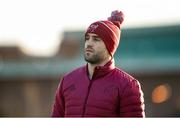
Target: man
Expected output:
[99,88]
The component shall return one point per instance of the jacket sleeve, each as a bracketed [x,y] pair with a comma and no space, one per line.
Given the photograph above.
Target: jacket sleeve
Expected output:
[132,101]
[59,105]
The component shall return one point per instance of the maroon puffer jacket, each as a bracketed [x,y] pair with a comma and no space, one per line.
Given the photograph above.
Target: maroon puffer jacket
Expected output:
[111,92]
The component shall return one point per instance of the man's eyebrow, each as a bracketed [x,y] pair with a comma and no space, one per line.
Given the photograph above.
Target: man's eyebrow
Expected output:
[96,36]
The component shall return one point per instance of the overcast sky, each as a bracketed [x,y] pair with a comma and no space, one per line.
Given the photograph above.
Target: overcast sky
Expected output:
[35,25]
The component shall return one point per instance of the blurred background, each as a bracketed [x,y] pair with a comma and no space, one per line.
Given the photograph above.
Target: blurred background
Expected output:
[40,40]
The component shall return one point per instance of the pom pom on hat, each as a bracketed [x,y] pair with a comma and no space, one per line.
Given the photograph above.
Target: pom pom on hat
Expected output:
[117,17]
[109,30]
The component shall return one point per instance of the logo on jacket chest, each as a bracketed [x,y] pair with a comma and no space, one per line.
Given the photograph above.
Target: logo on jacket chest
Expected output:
[71,88]
[111,90]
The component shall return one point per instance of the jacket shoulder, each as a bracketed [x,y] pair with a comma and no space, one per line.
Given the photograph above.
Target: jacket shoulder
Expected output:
[124,79]
[127,81]
[75,72]
[124,76]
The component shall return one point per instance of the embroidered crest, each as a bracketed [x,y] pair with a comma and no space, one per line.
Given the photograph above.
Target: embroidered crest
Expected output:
[93,27]
[71,88]
[111,90]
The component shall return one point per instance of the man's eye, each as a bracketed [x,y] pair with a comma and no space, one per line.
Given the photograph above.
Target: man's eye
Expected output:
[86,37]
[96,39]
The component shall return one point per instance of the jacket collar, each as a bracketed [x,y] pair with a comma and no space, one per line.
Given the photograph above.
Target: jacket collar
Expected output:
[100,71]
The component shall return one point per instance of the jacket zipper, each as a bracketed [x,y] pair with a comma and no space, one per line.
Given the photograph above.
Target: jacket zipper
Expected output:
[89,87]
[85,103]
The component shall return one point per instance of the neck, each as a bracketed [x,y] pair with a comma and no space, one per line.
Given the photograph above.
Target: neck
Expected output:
[92,66]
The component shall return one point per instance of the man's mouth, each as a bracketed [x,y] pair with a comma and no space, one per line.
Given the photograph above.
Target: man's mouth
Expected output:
[89,50]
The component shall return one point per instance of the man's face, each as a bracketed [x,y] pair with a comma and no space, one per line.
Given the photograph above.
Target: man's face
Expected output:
[95,50]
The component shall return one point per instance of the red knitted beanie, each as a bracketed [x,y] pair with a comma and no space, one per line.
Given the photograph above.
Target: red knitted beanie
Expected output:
[109,30]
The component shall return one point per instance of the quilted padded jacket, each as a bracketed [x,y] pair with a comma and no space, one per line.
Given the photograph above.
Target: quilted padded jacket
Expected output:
[110,92]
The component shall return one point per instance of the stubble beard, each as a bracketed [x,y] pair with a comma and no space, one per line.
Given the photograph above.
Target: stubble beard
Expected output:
[94,58]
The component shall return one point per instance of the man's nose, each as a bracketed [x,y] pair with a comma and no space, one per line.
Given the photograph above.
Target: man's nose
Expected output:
[90,41]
